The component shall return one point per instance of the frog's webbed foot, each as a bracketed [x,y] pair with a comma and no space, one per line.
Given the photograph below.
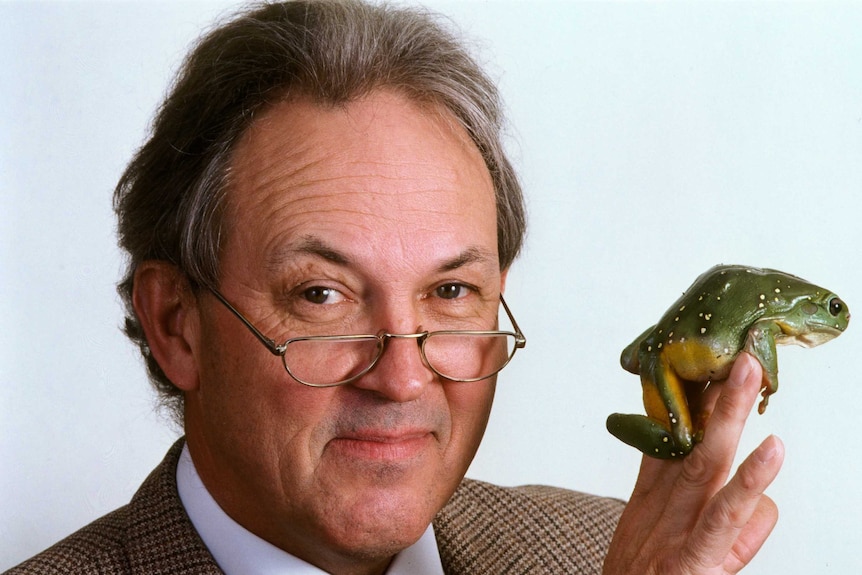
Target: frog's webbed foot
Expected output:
[647,435]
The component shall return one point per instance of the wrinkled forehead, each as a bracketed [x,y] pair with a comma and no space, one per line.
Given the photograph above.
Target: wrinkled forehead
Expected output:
[374,167]
[298,133]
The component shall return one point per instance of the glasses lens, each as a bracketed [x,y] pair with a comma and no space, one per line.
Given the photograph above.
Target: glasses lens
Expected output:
[468,356]
[330,361]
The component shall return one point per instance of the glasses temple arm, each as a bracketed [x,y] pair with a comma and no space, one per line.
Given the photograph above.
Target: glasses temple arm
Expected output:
[274,348]
[520,340]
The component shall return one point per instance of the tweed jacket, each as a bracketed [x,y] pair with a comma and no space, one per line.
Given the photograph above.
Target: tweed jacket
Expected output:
[484,529]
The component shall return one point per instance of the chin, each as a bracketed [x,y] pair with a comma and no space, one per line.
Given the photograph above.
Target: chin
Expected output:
[380,520]
[375,537]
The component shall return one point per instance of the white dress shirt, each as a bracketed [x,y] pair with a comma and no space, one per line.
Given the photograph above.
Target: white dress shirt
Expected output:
[238,551]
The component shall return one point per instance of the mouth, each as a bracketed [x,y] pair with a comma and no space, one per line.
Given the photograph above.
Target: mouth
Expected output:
[383,446]
[812,338]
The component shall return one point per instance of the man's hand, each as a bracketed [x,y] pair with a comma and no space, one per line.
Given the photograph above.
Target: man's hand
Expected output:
[685,517]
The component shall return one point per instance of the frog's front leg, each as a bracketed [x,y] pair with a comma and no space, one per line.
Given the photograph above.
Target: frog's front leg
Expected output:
[760,342]
[666,430]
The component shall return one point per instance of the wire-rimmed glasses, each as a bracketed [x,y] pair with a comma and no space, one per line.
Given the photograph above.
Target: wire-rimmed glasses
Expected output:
[330,360]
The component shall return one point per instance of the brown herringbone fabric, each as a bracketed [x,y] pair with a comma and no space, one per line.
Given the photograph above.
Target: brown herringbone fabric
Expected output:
[484,529]
[491,530]
[151,535]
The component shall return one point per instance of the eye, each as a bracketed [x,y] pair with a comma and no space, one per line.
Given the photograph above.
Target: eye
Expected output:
[451,291]
[321,295]
[836,306]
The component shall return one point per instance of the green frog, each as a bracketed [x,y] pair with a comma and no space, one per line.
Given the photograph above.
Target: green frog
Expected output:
[728,309]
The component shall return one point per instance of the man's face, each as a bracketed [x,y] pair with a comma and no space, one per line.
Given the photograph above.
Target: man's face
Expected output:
[378,215]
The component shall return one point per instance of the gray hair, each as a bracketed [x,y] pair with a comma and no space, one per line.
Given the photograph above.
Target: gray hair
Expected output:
[170,199]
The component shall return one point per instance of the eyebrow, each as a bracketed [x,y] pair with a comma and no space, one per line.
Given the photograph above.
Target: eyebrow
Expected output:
[315,246]
[469,256]
[310,245]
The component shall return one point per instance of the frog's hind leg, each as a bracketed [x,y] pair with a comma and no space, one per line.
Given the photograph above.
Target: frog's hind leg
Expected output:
[666,401]
[666,430]
[643,433]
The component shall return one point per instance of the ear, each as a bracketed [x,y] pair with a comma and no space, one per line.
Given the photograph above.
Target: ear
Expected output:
[503,275]
[168,312]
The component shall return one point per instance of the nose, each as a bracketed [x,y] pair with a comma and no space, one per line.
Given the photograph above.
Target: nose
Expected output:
[400,374]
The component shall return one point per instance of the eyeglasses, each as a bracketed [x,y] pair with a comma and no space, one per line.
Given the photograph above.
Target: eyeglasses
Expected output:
[330,360]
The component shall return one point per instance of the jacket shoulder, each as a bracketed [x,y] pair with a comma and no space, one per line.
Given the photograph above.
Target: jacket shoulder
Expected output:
[486,528]
[152,534]
[96,548]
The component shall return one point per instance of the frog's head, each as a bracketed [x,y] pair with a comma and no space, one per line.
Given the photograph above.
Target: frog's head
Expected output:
[813,320]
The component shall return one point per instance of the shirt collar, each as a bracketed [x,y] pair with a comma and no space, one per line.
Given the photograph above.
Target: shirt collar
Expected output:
[238,551]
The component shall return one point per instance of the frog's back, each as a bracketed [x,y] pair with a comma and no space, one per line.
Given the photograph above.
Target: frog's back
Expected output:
[712,317]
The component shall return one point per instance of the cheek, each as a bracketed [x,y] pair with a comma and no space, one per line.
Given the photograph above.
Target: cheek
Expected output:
[470,408]
[249,402]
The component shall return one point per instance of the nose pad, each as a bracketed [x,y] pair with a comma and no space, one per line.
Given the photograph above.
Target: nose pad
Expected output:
[400,374]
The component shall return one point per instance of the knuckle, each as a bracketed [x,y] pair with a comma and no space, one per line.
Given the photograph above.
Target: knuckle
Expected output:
[747,480]
[700,469]
[723,515]
[695,471]
[728,408]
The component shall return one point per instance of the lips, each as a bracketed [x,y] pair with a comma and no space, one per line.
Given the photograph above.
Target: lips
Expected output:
[384,446]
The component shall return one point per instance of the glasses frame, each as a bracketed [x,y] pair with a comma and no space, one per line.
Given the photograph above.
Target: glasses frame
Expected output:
[382,337]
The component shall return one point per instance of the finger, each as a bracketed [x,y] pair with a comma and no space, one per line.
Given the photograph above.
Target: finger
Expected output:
[655,474]
[753,535]
[670,494]
[712,460]
[653,490]
[706,469]
[695,479]
[636,535]
[737,521]
[707,398]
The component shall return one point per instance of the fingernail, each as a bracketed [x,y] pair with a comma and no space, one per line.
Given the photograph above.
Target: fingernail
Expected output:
[768,450]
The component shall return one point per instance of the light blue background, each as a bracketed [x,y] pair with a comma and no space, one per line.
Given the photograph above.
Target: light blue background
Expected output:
[654,140]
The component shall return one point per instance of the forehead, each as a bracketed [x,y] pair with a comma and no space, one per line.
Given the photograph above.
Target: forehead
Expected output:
[379,169]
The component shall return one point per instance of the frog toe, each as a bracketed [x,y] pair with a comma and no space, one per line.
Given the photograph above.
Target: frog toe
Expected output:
[646,435]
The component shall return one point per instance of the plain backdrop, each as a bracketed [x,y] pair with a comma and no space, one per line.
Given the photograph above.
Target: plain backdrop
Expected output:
[654,140]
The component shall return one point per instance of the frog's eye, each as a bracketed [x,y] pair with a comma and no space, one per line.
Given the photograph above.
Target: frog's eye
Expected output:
[836,306]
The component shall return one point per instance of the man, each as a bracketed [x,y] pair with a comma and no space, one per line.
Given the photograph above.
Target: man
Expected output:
[319,231]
